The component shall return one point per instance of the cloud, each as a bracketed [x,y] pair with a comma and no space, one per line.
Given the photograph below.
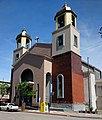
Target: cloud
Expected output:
[91,44]
[89,39]
[86,32]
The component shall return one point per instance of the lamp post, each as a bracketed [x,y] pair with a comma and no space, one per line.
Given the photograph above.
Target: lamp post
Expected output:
[88,81]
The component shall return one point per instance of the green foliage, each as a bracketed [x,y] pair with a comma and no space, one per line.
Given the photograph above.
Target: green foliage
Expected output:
[26,89]
[4,88]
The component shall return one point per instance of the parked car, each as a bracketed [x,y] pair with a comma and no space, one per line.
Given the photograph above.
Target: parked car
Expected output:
[1,104]
[9,107]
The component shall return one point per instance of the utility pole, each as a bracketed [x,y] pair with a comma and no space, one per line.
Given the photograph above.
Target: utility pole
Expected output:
[88,81]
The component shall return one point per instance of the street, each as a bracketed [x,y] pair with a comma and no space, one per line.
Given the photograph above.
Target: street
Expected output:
[32,116]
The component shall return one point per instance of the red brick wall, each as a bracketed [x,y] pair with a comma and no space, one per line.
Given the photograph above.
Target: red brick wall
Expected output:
[77,79]
[76,63]
[68,64]
[77,88]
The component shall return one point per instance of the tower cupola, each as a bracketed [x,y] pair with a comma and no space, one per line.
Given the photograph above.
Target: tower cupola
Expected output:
[65,17]
[23,40]
[23,44]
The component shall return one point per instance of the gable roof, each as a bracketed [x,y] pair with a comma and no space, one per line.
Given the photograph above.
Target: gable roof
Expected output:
[39,49]
[43,49]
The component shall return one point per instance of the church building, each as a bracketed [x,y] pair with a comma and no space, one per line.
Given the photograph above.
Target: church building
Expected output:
[56,71]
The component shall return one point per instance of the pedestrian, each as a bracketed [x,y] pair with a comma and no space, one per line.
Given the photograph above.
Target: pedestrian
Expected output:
[48,107]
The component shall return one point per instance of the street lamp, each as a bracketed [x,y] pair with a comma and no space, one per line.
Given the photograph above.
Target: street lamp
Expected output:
[88,81]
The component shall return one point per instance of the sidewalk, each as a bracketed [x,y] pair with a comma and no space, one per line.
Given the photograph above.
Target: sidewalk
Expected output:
[73,114]
[86,115]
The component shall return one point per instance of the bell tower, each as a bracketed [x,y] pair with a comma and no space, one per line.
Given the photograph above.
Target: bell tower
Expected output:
[68,87]
[23,43]
[65,17]
[66,37]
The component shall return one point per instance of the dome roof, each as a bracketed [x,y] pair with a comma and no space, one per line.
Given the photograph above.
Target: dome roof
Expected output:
[23,35]
[65,8]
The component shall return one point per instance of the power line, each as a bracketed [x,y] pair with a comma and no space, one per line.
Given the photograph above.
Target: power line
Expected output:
[92,46]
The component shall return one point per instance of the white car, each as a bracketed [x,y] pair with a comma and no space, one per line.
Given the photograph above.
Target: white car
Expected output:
[9,107]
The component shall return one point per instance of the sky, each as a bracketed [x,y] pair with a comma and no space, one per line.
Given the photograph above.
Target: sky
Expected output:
[37,17]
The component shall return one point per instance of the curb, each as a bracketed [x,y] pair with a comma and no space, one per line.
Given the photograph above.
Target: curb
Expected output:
[65,114]
[47,113]
[82,116]
[86,117]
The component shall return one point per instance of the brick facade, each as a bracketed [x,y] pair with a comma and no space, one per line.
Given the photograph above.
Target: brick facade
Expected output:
[68,64]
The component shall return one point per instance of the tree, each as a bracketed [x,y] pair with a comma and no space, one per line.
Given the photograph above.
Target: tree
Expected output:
[4,89]
[26,89]
[100,32]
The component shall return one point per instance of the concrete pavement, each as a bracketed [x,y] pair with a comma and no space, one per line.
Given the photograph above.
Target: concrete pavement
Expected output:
[71,114]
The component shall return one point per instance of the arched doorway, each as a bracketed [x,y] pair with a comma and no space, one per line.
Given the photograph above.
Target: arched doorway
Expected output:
[26,76]
[48,87]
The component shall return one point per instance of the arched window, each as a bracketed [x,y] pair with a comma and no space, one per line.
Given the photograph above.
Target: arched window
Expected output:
[48,87]
[60,86]
[19,43]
